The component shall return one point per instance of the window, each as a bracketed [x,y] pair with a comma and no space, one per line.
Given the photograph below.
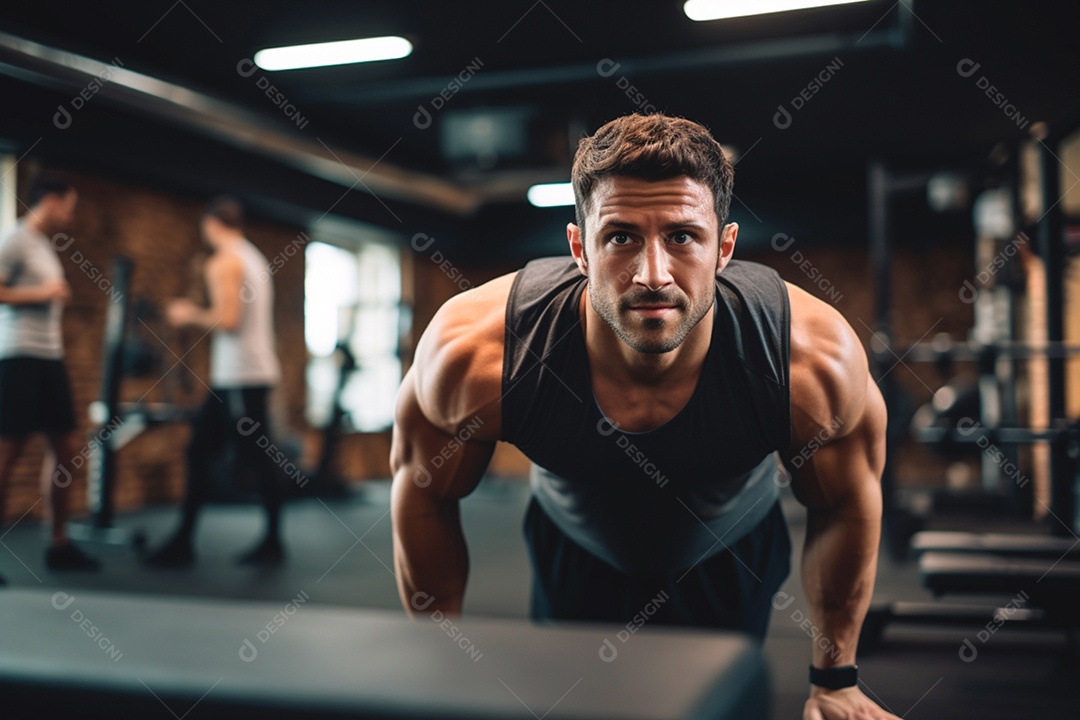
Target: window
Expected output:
[352,299]
[8,199]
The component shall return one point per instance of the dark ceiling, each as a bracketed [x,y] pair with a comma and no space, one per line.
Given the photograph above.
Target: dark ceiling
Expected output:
[534,76]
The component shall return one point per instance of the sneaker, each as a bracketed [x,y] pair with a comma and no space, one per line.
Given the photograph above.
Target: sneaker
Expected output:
[68,557]
[268,553]
[176,553]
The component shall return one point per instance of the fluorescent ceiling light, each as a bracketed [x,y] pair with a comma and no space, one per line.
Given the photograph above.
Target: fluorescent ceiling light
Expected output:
[720,9]
[551,194]
[342,52]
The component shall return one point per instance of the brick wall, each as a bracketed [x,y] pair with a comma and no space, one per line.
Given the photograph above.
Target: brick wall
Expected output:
[159,231]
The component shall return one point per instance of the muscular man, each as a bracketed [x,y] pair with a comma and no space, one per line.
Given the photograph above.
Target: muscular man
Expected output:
[243,369]
[35,395]
[650,378]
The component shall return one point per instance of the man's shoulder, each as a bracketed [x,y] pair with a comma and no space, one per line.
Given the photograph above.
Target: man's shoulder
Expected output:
[248,248]
[225,260]
[829,369]
[815,321]
[459,358]
[473,313]
[20,234]
[20,243]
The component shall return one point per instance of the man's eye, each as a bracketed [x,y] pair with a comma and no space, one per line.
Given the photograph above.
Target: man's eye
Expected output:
[620,239]
[682,238]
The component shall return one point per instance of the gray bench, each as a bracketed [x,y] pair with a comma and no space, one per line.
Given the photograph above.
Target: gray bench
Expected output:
[94,655]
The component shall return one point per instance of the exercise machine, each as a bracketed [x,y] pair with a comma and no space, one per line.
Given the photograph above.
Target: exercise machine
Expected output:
[1042,570]
[116,423]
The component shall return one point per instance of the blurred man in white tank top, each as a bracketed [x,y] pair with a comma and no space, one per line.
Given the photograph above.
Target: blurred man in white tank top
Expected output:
[243,370]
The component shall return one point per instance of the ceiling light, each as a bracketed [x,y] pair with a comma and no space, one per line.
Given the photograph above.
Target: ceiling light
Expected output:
[551,194]
[342,52]
[719,9]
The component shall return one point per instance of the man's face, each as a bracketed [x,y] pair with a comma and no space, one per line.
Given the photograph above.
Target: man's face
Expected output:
[651,251]
[210,230]
[205,228]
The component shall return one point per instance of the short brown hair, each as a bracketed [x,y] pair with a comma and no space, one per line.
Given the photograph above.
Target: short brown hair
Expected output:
[652,147]
[226,210]
[47,183]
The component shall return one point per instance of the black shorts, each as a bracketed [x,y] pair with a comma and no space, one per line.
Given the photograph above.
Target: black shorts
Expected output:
[35,396]
[730,590]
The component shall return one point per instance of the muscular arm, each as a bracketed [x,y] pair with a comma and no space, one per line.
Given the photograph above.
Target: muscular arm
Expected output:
[430,557]
[840,484]
[838,454]
[447,420]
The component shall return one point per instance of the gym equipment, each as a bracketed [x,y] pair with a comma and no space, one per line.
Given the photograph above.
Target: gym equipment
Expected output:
[898,522]
[1042,571]
[1046,589]
[1050,582]
[951,615]
[1045,568]
[944,347]
[953,403]
[1006,544]
[118,423]
[97,655]
[324,482]
[992,355]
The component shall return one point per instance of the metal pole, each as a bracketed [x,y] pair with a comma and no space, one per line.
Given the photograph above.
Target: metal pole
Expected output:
[111,375]
[895,521]
[1052,249]
[878,206]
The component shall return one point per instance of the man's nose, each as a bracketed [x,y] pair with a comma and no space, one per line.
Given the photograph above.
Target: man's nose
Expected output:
[654,270]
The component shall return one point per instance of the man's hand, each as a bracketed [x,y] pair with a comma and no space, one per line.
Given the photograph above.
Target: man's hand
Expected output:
[845,704]
[182,312]
[54,290]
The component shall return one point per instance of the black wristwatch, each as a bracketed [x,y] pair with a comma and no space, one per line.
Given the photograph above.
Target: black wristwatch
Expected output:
[835,678]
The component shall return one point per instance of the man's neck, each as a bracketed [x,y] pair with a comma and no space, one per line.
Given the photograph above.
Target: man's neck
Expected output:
[612,357]
[37,223]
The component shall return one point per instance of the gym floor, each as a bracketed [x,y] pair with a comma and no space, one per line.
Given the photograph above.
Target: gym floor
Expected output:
[340,554]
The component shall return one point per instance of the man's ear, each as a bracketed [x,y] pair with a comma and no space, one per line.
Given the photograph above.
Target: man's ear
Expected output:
[577,247]
[727,245]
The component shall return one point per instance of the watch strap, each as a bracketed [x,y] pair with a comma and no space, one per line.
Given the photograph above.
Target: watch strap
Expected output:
[835,678]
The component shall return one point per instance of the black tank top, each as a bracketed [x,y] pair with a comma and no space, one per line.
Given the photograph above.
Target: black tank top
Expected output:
[662,500]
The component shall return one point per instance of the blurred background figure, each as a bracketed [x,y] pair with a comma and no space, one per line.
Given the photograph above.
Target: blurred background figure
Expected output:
[35,395]
[243,370]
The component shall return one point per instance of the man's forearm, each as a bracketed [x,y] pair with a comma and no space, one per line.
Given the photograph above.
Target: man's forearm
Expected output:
[205,319]
[838,570]
[21,296]
[430,556]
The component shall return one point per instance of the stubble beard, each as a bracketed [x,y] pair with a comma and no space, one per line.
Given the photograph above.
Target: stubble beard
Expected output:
[616,312]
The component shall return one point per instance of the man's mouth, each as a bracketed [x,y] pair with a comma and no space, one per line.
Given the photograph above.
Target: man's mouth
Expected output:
[654,309]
